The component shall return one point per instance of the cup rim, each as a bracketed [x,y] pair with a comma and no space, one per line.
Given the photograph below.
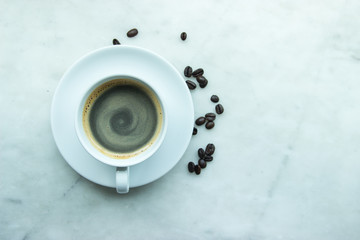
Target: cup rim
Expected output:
[83,138]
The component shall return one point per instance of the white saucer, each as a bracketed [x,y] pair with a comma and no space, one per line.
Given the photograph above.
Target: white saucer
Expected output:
[155,69]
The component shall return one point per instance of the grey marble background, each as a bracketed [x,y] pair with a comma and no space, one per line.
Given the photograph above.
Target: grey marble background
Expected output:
[287,164]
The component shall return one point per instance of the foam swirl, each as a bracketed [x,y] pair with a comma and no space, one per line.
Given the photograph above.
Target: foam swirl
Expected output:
[122,118]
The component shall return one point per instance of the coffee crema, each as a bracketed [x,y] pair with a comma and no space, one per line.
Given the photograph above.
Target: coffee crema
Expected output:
[122,118]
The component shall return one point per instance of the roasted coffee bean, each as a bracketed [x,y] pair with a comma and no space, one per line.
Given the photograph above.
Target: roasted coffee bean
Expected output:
[194,131]
[204,84]
[200,121]
[191,167]
[198,72]
[202,163]
[209,125]
[219,109]
[210,149]
[208,158]
[214,98]
[188,71]
[116,42]
[191,85]
[201,79]
[197,169]
[183,36]
[132,33]
[210,117]
[201,153]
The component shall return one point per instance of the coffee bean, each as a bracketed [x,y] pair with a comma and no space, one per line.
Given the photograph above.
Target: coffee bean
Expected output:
[201,79]
[210,117]
[219,109]
[210,149]
[191,167]
[188,71]
[183,36]
[202,163]
[200,121]
[191,85]
[209,125]
[201,153]
[194,131]
[214,98]
[198,72]
[210,114]
[197,169]
[208,158]
[204,84]
[116,42]
[132,33]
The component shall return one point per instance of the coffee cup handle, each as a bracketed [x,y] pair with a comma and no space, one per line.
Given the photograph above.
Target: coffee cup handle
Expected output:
[122,179]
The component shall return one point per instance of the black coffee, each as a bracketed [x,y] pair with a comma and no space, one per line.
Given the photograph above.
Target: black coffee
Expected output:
[123,117]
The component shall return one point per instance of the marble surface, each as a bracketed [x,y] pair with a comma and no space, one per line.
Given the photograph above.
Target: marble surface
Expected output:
[287,159]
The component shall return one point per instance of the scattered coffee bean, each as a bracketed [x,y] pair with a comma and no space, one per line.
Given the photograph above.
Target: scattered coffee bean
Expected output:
[191,85]
[198,72]
[197,169]
[204,157]
[214,98]
[183,36]
[201,79]
[188,71]
[209,125]
[219,109]
[194,131]
[208,158]
[210,117]
[191,167]
[200,121]
[201,153]
[204,84]
[210,149]
[116,42]
[132,33]
[202,163]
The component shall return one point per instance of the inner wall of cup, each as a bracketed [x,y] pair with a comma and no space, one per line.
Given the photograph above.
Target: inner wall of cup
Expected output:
[95,148]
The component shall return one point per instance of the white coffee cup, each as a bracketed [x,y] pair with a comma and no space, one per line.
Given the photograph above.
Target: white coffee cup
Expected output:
[126,159]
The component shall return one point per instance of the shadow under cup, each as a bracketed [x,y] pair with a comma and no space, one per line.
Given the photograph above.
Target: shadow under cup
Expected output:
[121,121]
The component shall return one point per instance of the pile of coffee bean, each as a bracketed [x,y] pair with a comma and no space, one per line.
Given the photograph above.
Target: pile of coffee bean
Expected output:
[209,118]
[204,157]
[198,74]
